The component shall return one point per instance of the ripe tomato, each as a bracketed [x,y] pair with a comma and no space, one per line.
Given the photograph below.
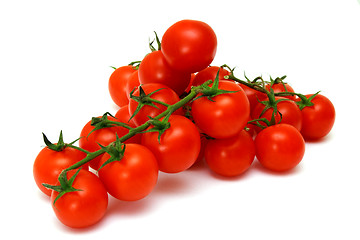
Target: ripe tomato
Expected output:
[133,177]
[166,95]
[117,83]
[189,45]
[155,69]
[133,83]
[226,115]
[253,96]
[281,87]
[123,115]
[179,145]
[209,73]
[49,164]
[103,136]
[83,208]
[290,114]
[318,119]
[230,156]
[279,147]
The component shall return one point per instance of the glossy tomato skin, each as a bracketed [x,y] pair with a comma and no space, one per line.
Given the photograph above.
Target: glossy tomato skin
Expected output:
[166,95]
[133,177]
[117,84]
[103,136]
[253,96]
[318,119]
[123,115]
[226,115]
[83,208]
[290,114]
[230,157]
[179,145]
[189,45]
[132,84]
[155,69]
[280,87]
[279,147]
[49,164]
[209,73]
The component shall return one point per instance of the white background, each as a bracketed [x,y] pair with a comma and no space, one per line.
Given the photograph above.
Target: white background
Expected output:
[54,70]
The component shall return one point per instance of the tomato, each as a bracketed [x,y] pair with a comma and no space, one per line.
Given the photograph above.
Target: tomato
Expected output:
[133,177]
[117,83]
[279,147]
[318,119]
[179,145]
[209,73]
[83,208]
[49,164]
[281,87]
[290,113]
[166,95]
[230,156]
[189,45]
[103,136]
[123,115]
[253,96]
[188,88]
[155,69]
[133,83]
[224,116]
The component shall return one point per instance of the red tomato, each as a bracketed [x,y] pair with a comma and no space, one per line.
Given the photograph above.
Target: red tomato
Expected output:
[83,208]
[166,95]
[209,73]
[179,145]
[290,114]
[155,69]
[189,45]
[282,87]
[103,136]
[133,177]
[226,115]
[279,147]
[253,95]
[49,164]
[133,83]
[230,156]
[318,119]
[122,115]
[188,88]
[117,83]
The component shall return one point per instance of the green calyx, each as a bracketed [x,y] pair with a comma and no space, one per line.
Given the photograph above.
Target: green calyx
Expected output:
[158,42]
[61,145]
[304,101]
[116,151]
[159,126]
[104,122]
[65,185]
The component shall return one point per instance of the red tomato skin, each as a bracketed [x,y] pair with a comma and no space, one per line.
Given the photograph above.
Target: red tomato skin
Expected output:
[123,115]
[319,119]
[291,114]
[84,208]
[189,45]
[279,87]
[132,84]
[279,147]
[103,136]
[209,73]
[179,145]
[226,115]
[155,69]
[49,164]
[117,83]
[230,157]
[133,177]
[253,96]
[166,95]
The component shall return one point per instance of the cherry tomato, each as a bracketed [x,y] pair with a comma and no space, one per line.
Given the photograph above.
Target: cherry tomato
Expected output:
[179,145]
[189,45]
[49,164]
[318,119]
[117,83]
[279,147]
[155,69]
[253,96]
[230,156]
[226,115]
[103,136]
[166,95]
[133,83]
[281,87]
[209,73]
[83,208]
[123,115]
[290,114]
[133,177]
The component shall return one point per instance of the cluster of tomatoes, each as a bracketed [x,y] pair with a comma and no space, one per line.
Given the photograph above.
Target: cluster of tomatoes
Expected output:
[176,110]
